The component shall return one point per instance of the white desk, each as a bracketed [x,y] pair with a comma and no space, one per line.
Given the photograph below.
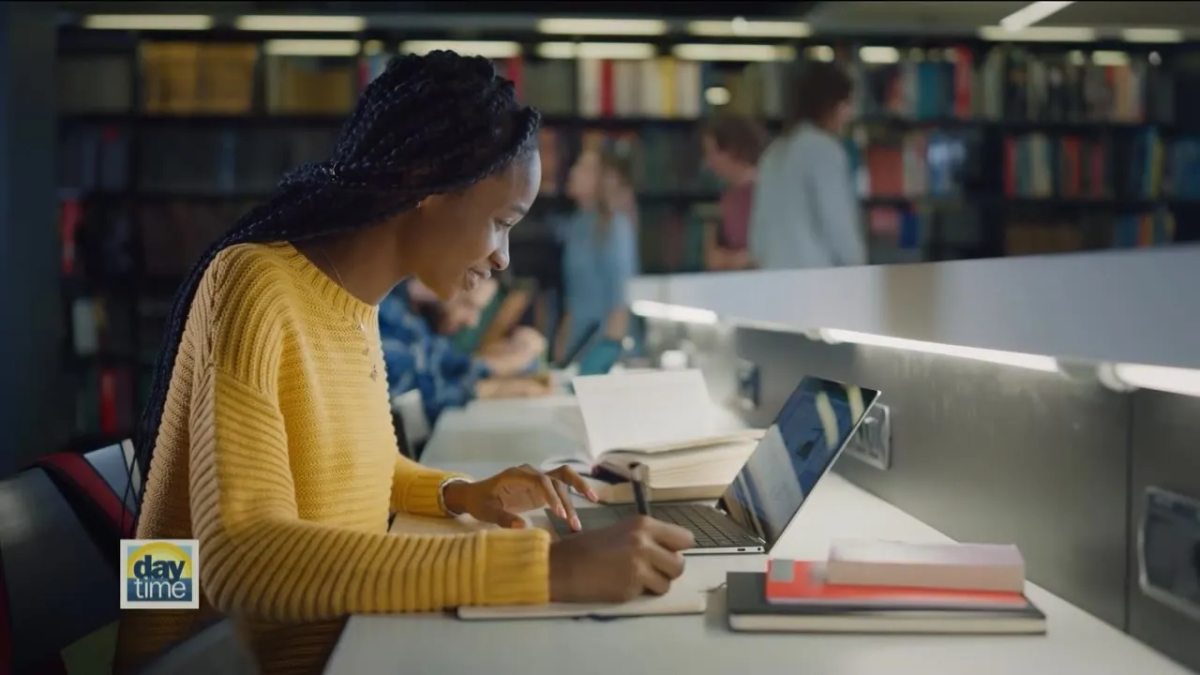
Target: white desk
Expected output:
[439,644]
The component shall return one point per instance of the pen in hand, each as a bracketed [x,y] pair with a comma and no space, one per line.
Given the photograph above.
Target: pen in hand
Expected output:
[640,476]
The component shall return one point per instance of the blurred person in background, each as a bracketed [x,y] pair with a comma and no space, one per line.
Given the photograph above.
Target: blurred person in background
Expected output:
[416,330]
[732,147]
[599,251]
[805,211]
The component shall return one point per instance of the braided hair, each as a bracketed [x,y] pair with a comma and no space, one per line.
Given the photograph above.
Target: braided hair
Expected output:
[427,125]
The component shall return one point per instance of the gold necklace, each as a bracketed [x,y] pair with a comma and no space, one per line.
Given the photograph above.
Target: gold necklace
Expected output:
[361,328]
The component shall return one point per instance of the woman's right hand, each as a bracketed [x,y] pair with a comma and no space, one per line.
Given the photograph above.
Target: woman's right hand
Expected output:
[618,563]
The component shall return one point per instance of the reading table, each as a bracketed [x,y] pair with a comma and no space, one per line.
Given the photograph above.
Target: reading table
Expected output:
[484,439]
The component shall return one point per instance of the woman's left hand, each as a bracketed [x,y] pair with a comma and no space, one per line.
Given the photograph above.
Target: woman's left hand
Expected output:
[503,497]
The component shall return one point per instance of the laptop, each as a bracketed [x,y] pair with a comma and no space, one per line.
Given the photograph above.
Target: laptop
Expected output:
[594,354]
[809,433]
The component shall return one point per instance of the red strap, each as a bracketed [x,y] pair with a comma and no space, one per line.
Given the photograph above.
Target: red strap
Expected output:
[87,483]
[6,642]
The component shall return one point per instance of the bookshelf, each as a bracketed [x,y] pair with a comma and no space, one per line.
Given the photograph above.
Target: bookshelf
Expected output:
[963,148]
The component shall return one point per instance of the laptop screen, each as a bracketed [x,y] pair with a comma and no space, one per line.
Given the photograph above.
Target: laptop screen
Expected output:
[816,423]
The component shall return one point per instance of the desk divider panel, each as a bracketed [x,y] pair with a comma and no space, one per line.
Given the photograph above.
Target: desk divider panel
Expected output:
[1166,454]
[987,452]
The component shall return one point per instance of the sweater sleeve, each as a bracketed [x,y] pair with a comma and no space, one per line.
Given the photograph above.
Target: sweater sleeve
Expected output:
[261,560]
[415,489]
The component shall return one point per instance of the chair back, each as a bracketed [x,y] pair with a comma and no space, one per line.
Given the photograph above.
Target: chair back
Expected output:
[412,425]
[116,465]
[56,587]
[216,649]
[98,488]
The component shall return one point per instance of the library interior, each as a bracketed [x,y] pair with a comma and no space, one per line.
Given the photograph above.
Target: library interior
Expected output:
[551,268]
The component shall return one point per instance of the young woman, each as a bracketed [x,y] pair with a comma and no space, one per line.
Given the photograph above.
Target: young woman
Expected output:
[732,147]
[805,210]
[599,251]
[268,436]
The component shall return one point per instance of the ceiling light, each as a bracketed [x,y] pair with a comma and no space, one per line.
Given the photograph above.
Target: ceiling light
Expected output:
[1037,34]
[284,23]
[602,26]
[148,22]
[879,55]
[311,47]
[484,48]
[596,50]
[715,52]
[1030,361]
[819,53]
[1031,14]
[717,96]
[740,27]
[1110,58]
[1152,35]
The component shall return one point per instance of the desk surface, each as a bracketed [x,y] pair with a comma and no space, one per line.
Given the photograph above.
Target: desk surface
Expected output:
[467,441]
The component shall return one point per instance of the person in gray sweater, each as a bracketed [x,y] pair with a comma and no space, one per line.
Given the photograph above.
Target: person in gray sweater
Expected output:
[805,212]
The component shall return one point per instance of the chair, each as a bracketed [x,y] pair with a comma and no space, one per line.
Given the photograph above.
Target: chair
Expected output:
[216,649]
[117,467]
[56,587]
[412,427]
[98,488]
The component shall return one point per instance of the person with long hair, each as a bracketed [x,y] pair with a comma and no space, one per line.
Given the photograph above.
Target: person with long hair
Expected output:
[599,251]
[805,211]
[268,435]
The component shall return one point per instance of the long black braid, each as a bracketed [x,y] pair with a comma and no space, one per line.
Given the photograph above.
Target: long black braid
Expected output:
[427,125]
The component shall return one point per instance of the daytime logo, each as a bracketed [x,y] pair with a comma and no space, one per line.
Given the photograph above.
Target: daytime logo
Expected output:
[160,574]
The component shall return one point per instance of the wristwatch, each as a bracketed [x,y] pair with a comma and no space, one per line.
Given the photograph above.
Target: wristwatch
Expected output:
[442,494]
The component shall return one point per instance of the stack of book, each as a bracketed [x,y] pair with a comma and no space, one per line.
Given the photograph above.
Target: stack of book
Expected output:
[889,587]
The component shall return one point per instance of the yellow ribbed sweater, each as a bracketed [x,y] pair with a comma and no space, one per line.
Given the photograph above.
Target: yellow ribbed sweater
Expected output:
[277,451]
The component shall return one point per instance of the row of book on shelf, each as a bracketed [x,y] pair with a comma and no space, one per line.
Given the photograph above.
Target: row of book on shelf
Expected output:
[1143,165]
[1008,82]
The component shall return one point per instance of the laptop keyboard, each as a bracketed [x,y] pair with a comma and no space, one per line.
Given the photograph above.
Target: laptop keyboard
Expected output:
[711,528]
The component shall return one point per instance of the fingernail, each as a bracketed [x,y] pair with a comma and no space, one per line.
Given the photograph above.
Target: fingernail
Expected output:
[591,494]
[562,512]
[575,523]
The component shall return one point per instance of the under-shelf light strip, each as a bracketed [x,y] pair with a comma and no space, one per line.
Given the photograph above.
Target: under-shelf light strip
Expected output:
[1130,376]
[658,310]
[1046,364]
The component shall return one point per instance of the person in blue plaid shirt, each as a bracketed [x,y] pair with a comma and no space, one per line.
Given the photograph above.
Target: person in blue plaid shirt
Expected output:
[416,331]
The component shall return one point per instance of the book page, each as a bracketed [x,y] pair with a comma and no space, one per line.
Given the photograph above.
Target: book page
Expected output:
[644,409]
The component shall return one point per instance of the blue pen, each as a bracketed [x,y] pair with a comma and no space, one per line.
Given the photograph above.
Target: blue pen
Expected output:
[639,480]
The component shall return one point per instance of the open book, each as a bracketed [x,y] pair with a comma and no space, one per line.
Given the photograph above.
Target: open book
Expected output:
[666,421]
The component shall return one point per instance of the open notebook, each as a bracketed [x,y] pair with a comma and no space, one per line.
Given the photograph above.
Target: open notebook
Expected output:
[664,420]
[682,599]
